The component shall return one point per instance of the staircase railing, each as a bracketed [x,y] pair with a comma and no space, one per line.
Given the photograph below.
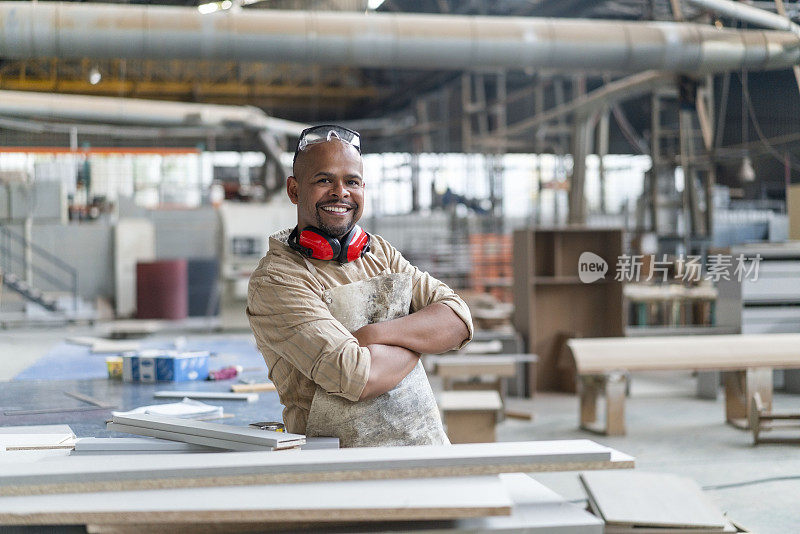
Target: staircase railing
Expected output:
[45,264]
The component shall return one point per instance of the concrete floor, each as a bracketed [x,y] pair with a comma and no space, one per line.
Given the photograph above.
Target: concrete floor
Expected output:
[669,431]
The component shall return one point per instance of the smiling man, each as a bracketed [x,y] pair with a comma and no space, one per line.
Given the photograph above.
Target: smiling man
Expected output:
[341,317]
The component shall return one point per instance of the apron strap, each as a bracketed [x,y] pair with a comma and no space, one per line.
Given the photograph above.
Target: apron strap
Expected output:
[311,268]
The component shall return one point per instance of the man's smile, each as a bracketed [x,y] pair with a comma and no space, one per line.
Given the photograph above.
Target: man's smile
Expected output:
[337,209]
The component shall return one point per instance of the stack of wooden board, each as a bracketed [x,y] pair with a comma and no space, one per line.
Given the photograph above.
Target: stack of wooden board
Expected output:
[116,473]
[117,446]
[474,504]
[453,488]
[648,503]
[206,434]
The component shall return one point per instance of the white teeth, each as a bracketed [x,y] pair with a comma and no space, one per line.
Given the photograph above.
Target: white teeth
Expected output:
[335,209]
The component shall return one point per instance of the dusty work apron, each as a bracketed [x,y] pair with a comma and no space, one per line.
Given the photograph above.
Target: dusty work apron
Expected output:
[405,415]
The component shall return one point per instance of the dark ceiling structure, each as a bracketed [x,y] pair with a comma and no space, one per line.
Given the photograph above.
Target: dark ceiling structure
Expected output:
[442,110]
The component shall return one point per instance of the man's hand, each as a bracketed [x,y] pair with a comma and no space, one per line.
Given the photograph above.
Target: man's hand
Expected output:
[388,366]
[431,330]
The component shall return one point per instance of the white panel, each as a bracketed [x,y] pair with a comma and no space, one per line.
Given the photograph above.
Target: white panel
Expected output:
[134,241]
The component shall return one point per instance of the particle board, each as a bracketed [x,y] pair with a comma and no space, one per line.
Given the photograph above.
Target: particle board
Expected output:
[36,441]
[100,345]
[203,441]
[108,346]
[460,366]
[642,499]
[215,395]
[536,510]
[247,434]
[469,401]
[373,500]
[145,444]
[251,388]
[116,473]
[133,327]
[614,529]
[39,411]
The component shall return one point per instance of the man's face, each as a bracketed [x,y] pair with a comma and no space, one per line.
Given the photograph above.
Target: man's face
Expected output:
[328,187]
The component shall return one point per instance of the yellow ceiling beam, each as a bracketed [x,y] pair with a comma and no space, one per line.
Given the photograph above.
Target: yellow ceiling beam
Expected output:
[198,90]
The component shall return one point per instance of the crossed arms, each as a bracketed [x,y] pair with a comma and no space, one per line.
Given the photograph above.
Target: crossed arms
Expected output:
[395,345]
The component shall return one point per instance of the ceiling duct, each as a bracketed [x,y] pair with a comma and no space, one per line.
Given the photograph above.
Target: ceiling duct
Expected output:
[30,30]
[750,14]
[112,110]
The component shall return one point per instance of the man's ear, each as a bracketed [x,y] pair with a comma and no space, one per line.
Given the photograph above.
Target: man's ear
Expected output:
[291,189]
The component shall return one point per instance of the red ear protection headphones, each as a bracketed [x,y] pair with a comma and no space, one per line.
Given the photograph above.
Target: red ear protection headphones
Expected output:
[315,243]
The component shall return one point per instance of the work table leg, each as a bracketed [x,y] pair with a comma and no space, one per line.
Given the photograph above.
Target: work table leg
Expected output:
[739,389]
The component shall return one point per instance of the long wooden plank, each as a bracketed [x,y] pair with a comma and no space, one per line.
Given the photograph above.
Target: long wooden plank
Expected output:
[145,444]
[40,411]
[614,529]
[115,473]
[255,436]
[253,388]
[642,499]
[374,500]
[148,445]
[469,400]
[215,395]
[458,366]
[725,352]
[203,441]
[536,510]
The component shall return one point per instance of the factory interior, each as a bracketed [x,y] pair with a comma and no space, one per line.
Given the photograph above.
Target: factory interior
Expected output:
[607,190]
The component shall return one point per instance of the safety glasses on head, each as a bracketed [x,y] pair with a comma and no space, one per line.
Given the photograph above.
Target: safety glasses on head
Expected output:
[326,132]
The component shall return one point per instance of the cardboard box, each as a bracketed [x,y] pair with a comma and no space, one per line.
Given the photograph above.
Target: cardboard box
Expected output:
[164,365]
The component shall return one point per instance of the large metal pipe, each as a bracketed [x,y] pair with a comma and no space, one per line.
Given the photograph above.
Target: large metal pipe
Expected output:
[112,110]
[746,13]
[76,30]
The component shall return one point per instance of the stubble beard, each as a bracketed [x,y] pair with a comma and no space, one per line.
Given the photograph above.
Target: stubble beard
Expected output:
[336,231]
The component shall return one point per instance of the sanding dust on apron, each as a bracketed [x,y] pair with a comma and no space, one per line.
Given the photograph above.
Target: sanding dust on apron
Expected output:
[405,415]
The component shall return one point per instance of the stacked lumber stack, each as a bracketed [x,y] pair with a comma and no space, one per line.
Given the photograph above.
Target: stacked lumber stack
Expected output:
[205,434]
[474,487]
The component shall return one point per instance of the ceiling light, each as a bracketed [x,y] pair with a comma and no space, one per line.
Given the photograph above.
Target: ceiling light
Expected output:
[374,4]
[95,76]
[205,9]
[746,171]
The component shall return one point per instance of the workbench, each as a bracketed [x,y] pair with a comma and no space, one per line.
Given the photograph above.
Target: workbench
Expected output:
[88,422]
[602,365]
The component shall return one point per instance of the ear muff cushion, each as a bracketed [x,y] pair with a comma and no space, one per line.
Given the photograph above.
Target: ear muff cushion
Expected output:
[355,245]
[321,247]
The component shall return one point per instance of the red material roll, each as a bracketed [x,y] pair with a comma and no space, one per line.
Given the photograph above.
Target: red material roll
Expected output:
[162,290]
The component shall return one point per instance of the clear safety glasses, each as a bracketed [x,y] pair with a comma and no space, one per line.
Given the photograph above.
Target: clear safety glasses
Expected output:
[326,132]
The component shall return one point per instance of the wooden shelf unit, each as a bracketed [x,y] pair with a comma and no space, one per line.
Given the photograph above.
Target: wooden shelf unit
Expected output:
[551,303]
